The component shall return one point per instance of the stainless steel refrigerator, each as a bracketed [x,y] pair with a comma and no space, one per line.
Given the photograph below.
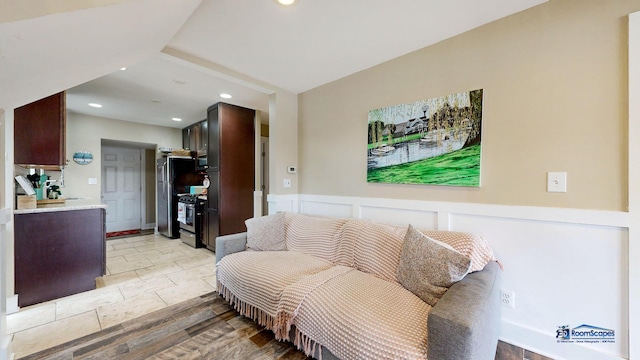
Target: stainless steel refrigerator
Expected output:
[175,174]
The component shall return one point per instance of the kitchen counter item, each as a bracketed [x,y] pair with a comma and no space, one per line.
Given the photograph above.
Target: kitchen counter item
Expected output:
[51,202]
[26,202]
[26,185]
[197,189]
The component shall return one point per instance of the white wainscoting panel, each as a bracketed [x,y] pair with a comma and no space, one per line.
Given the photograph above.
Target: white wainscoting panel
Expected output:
[565,266]
[282,203]
[325,209]
[425,219]
[257,203]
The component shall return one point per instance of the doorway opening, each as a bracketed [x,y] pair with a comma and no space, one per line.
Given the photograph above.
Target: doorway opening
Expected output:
[128,186]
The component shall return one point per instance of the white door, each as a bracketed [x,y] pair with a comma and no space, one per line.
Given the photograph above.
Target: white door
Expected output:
[121,187]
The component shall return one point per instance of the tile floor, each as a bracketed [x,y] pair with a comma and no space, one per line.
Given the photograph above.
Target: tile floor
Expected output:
[144,273]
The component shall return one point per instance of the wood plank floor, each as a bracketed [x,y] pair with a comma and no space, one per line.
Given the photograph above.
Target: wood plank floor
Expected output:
[205,327]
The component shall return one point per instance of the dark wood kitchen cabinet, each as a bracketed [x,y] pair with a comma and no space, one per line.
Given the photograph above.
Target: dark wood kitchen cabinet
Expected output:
[58,253]
[231,169]
[196,139]
[40,133]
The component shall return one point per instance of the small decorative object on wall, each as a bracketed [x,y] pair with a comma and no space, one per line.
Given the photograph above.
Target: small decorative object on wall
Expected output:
[435,141]
[83,157]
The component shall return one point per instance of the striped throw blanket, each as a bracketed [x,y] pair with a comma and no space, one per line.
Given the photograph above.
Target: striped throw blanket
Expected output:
[353,314]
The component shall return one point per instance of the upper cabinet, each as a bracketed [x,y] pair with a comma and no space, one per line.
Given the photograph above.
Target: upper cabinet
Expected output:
[40,133]
[196,139]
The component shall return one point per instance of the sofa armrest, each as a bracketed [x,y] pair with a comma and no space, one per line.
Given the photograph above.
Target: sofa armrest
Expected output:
[465,322]
[229,244]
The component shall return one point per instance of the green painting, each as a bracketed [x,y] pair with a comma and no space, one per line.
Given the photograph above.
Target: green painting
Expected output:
[435,141]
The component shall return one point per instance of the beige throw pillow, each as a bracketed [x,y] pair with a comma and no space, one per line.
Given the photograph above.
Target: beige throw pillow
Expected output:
[428,267]
[266,233]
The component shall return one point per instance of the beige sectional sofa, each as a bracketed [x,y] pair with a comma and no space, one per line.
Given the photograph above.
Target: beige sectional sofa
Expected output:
[357,289]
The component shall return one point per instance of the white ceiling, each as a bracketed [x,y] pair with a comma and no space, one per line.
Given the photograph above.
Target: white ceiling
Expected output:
[293,48]
[157,90]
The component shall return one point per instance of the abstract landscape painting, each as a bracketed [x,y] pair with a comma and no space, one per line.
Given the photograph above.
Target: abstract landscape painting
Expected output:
[435,141]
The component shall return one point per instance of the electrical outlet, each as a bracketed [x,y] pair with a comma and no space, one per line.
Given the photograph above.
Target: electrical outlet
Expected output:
[508,298]
[287,183]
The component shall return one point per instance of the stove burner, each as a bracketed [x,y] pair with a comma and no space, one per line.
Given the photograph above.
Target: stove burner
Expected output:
[188,198]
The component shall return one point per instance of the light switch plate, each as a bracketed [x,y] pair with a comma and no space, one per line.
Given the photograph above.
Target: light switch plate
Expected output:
[556,182]
[93,181]
[287,183]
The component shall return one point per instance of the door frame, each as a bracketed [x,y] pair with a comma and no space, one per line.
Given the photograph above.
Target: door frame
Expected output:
[141,147]
[264,173]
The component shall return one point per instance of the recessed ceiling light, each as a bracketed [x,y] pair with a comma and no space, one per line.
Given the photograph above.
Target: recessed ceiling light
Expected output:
[179,82]
[123,68]
[95,105]
[286,2]
[225,96]
[156,101]
[176,119]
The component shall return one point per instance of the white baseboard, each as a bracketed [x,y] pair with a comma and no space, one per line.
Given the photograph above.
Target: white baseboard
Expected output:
[12,304]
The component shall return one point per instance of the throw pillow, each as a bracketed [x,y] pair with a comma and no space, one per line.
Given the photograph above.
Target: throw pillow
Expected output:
[471,245]
[266,233]
[428,268]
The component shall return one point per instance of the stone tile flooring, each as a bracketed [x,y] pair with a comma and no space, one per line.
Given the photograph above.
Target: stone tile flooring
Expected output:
[144,274]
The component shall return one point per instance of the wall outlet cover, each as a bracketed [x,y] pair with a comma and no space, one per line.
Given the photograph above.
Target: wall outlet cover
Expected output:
[556,182]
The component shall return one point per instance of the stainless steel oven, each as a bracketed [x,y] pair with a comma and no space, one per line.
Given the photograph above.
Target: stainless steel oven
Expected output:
[191,222]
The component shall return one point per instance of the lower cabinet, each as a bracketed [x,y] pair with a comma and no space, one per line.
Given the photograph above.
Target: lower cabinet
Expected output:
[210,232]
[58,253]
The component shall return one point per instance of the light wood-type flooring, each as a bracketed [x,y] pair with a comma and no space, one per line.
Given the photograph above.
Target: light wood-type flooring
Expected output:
[205,327]
[144,274]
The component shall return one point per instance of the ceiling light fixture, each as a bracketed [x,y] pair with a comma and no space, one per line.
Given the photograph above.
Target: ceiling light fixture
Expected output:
[95,105]
[176,119]
[123,68]
[225,96]
[286,2]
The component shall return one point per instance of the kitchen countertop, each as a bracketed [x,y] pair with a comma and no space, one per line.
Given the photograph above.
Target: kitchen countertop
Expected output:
[68,205]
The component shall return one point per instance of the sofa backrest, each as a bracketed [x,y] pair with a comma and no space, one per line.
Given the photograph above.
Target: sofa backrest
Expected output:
[369,246]
[372,247]
[313,235]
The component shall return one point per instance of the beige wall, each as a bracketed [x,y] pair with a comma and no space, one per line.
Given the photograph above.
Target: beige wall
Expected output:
[283,141]
[86,132]
[554,80]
